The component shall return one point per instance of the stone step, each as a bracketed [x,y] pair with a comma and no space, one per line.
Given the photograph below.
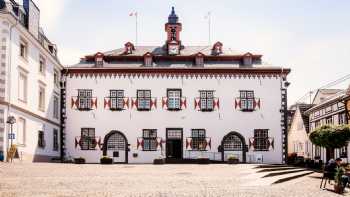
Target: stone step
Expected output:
[284,172]
[277,169]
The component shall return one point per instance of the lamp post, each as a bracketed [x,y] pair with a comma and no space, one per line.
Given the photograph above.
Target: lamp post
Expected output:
[11,120]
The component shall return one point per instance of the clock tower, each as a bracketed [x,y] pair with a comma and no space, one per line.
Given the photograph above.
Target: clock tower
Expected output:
[173,29]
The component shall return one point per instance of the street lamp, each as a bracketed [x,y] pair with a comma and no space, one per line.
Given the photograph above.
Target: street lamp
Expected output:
[11,120]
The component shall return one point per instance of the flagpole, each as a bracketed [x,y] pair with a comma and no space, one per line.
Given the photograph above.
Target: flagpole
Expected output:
[209,27]
[136,28]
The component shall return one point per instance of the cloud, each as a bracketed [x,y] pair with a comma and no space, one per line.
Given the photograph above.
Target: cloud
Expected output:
[50,10]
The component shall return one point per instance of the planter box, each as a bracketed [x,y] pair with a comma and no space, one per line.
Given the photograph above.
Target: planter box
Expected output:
[203,161]
[79,160]
[159,161]
[338,189]
[106,160]
[232,161]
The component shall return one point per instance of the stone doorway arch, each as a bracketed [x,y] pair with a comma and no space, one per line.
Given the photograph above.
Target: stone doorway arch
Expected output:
[233,141]
[116,141]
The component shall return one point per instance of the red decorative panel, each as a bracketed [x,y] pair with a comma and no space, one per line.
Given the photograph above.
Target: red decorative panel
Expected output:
[94,103]
[75,103]
[107,103]
[126,103]
[197,103]
[183,103]
[134,102]
[165,102]
[216,103]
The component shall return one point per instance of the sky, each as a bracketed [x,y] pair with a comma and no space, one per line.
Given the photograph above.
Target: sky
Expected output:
[309,37]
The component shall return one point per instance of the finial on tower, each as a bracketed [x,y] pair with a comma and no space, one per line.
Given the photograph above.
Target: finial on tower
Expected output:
[173,18]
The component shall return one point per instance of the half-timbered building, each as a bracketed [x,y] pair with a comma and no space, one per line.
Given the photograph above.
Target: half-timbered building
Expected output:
[174,101]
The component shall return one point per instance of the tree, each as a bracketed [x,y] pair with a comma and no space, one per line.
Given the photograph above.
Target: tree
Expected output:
[331,136]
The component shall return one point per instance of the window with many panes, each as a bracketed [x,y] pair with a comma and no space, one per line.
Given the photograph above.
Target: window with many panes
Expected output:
[149,139]
[41,139]
[198,139]
[55,139]
[143,99]
[117,99]
[344,152]
[42,65]
[56,78]
[342,118]
[206,100]
[22,87]
[41,98]
[174,99]
[85,99]
[55,107]
[233,143]
[329,120]
[23,49]
[261,141]
[87,139]
[247,100]
[317,152]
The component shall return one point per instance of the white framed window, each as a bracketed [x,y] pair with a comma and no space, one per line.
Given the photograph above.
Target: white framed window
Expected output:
[56,78]
[21,131]
[23,49]
[42,65]
[41,98]
[22,86]
[55,107]
[174,99]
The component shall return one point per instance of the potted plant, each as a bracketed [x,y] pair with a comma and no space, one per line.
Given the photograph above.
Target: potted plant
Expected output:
[159,161]
[338,186]
[79,160]
[203,160]
[231,159]
[106,160]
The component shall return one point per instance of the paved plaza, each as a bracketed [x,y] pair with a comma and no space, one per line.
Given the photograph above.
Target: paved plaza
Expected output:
[48,179]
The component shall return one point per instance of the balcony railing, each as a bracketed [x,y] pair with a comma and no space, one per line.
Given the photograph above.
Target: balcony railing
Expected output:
[245,106]
[88,143]
[114,104]
[84,103]
[198,143]
[261,144]
[181,105]
[209,105]
[144,103]
[158,146]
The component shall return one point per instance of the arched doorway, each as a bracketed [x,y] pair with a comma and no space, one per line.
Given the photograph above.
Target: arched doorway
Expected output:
[233,142]
[115,145]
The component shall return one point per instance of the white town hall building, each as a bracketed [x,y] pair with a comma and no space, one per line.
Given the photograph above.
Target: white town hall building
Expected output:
[174,101]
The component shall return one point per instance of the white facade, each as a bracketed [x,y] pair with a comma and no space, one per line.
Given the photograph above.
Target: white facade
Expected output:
[217,123]
[23,79]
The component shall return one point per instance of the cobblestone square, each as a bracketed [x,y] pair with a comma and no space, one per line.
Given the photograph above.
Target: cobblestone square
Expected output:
[47,179]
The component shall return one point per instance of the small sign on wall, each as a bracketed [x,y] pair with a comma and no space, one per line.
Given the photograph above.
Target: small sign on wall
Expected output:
[116,154]
[12,136]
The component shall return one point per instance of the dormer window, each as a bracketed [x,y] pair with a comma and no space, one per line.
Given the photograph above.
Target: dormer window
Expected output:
[199,59]
[147,59]
[248,59]
[129,47]
[99,59]
[217,48]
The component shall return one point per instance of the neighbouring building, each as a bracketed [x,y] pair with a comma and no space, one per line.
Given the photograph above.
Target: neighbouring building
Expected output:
[139,103]
[331,110]
[298,138]
[29,84]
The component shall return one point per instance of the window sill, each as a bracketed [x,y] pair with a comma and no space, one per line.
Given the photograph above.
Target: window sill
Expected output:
[116,109]
[247,110]
[41,109]
[174,109]
[84,109]
[206,110]
[149,150]
[22,101]
[143,109]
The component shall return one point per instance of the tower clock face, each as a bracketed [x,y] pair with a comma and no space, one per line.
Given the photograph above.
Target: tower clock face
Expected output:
[173,49]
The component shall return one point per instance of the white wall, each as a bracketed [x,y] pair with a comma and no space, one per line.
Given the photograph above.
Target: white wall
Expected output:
[217,123]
